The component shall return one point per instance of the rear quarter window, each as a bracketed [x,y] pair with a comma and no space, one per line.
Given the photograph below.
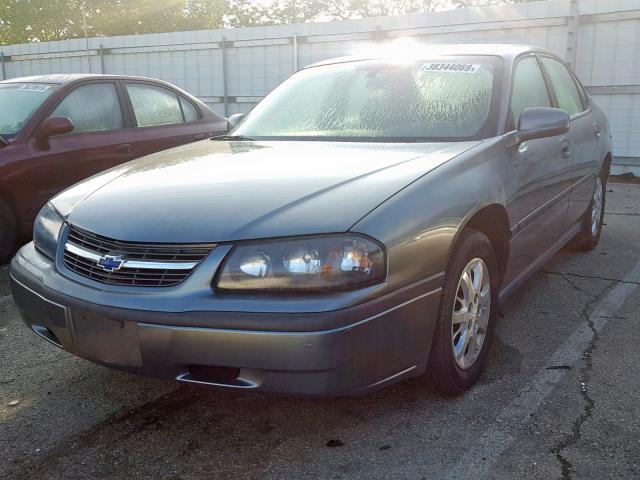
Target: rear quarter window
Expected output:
[189,111]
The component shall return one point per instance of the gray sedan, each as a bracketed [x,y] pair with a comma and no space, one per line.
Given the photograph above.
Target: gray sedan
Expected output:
[360,226]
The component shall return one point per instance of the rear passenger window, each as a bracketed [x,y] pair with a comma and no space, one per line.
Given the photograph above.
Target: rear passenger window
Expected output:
[529,88]
[189,111]
[92,108]
[569,98]
[154,105]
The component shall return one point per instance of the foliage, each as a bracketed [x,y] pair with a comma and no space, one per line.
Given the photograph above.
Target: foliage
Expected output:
[44,20]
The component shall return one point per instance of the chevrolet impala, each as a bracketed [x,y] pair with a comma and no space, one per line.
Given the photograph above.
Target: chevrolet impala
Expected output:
[360,226]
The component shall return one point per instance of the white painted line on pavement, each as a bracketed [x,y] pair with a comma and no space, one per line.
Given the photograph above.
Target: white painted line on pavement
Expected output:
[479,461]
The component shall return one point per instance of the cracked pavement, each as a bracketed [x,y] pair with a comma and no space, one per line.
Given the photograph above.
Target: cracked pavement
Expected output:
[559,399]
[585,378]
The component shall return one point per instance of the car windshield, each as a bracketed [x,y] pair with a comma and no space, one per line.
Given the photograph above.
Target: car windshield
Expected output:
[18,102]
[443,99]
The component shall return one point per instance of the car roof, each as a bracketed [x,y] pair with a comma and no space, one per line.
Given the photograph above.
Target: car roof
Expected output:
[65,78]
[416,52]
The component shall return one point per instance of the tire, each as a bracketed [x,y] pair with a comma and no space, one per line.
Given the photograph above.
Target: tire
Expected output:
[453,368]
[592,220]
[7,232]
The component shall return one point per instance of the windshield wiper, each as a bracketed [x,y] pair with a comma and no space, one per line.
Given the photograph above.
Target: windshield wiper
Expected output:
[232,137]
[3,142]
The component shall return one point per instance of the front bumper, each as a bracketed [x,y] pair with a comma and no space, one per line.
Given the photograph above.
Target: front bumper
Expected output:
[366,347]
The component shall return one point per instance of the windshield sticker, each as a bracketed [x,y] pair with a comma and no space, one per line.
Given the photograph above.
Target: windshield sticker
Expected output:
[451,67]
[34,88]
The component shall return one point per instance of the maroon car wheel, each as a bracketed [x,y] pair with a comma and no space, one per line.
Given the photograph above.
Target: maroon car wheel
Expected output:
[7,231]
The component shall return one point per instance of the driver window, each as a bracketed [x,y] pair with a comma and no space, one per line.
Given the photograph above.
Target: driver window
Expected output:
[529,88]
[92,108]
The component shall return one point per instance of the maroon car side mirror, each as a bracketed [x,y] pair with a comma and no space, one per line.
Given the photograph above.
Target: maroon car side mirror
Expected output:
[56,126]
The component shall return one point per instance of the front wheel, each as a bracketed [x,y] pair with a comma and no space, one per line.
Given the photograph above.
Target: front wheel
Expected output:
[466,320]
[592,221]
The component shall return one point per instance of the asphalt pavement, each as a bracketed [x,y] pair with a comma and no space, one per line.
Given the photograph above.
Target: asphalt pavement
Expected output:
[560,399]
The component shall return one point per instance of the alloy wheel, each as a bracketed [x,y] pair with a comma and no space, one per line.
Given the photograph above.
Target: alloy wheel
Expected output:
[471,312]
[596,208]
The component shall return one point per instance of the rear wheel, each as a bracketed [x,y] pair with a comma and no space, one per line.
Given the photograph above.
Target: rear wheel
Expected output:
[466,319]
[7,231]
[592,221]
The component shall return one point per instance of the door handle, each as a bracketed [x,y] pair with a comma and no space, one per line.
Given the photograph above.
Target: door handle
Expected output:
[565,146]
[597,129]
[124,149]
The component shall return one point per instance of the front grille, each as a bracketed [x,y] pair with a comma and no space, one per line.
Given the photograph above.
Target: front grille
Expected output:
[143,264]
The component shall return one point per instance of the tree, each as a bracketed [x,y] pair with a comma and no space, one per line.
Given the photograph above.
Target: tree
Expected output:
[244,13]
[344,9]
[374,8]
[294,11]
[204,13]
[25,20]
[45,20]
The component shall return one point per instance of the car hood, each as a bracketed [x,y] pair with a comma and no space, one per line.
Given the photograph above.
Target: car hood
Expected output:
[221,191]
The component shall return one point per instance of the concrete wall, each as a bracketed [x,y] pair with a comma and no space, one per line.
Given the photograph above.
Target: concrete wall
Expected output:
[232,69]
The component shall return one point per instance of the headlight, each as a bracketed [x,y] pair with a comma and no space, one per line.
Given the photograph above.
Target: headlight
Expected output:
[46,231]
[304,264]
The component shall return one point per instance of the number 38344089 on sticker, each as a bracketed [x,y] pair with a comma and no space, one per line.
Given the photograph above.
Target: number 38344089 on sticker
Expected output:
[451,67]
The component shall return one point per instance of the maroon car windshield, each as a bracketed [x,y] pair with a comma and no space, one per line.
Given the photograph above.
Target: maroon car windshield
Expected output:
[18,102]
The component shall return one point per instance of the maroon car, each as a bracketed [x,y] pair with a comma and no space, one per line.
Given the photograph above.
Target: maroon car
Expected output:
[56,130]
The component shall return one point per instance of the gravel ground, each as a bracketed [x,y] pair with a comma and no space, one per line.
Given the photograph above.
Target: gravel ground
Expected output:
[558,400]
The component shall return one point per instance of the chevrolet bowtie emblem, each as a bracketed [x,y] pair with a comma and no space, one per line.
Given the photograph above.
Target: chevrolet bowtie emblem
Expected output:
[111,263]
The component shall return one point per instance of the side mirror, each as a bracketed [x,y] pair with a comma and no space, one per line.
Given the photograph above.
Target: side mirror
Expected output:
[234,120]
[55,126]
[542,122]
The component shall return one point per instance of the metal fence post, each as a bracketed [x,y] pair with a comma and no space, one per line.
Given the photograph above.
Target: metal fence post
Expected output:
[4,73]
[573,26]
[225,85]
[380,35]
[295,53]
[101,53]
